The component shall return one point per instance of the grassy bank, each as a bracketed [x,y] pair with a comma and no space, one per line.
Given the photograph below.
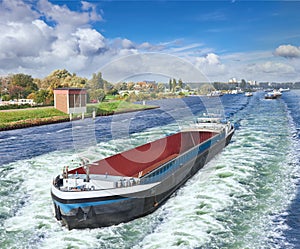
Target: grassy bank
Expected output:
[119,106]
[26,118]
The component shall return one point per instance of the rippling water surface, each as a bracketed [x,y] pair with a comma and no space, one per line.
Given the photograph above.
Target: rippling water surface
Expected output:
[246,197]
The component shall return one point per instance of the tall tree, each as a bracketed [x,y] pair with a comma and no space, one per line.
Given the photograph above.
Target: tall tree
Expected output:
[96,82]
[24,81]
[180,83]
[161,87]
[170,85]
[174,84]
[98,87]
[42,97]
[62,78]
[16,92]
[243,84]
[55,79]
[97,95]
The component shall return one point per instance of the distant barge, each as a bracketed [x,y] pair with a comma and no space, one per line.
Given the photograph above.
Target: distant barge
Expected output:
[136,182]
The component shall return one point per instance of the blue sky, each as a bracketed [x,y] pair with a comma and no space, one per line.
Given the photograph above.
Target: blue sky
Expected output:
[253,40]
[221,24]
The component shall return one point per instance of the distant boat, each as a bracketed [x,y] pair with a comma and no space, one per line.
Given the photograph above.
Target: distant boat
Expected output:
[136,182]
[277,93]
[215,94]
[248,94]
[268,90]
[271,95]
[284,89]
[236,91]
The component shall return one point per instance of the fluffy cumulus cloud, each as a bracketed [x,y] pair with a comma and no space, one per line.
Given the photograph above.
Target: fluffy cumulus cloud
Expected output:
[91,10]
[211,65]
[16,11]
[288,51]
[90,41]
[127,44]
[209,59]
[39,37]
[63,16]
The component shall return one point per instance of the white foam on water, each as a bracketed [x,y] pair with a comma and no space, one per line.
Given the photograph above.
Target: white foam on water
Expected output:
[192,213]
[33,221]
[230,203]
[252,178]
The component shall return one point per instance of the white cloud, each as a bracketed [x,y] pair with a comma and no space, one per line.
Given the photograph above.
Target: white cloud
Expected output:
[92,10]
[43,27]
[47,36]
[271,68]
[271,71]
[211,65]
[90,41]
[288,51]
[146,46]
[64,49]
[16,11]
[62,15]
[261,66]
[22,39]
[188,47]
[209,59]
[248,57]
[165,65]
[127,44]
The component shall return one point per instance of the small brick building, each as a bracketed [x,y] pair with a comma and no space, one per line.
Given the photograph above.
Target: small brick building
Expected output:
[70,100]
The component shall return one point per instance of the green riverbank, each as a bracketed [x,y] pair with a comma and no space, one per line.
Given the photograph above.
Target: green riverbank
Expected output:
[16,119]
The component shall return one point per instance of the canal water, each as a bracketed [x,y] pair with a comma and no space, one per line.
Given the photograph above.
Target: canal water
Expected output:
[248,196]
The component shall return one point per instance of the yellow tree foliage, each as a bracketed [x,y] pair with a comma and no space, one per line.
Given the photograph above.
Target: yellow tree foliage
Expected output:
[62,78]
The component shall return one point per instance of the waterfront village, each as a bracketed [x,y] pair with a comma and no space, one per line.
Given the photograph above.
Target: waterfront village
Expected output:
[22,89]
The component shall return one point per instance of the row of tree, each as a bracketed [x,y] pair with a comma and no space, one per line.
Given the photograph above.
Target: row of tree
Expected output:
[174,86]
[21,86]
[18,86]
[226,86]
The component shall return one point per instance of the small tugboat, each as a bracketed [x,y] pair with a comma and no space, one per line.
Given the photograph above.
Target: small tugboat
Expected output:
[136,182]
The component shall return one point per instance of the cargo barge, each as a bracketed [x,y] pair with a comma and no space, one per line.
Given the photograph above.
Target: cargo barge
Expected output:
[136,182]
